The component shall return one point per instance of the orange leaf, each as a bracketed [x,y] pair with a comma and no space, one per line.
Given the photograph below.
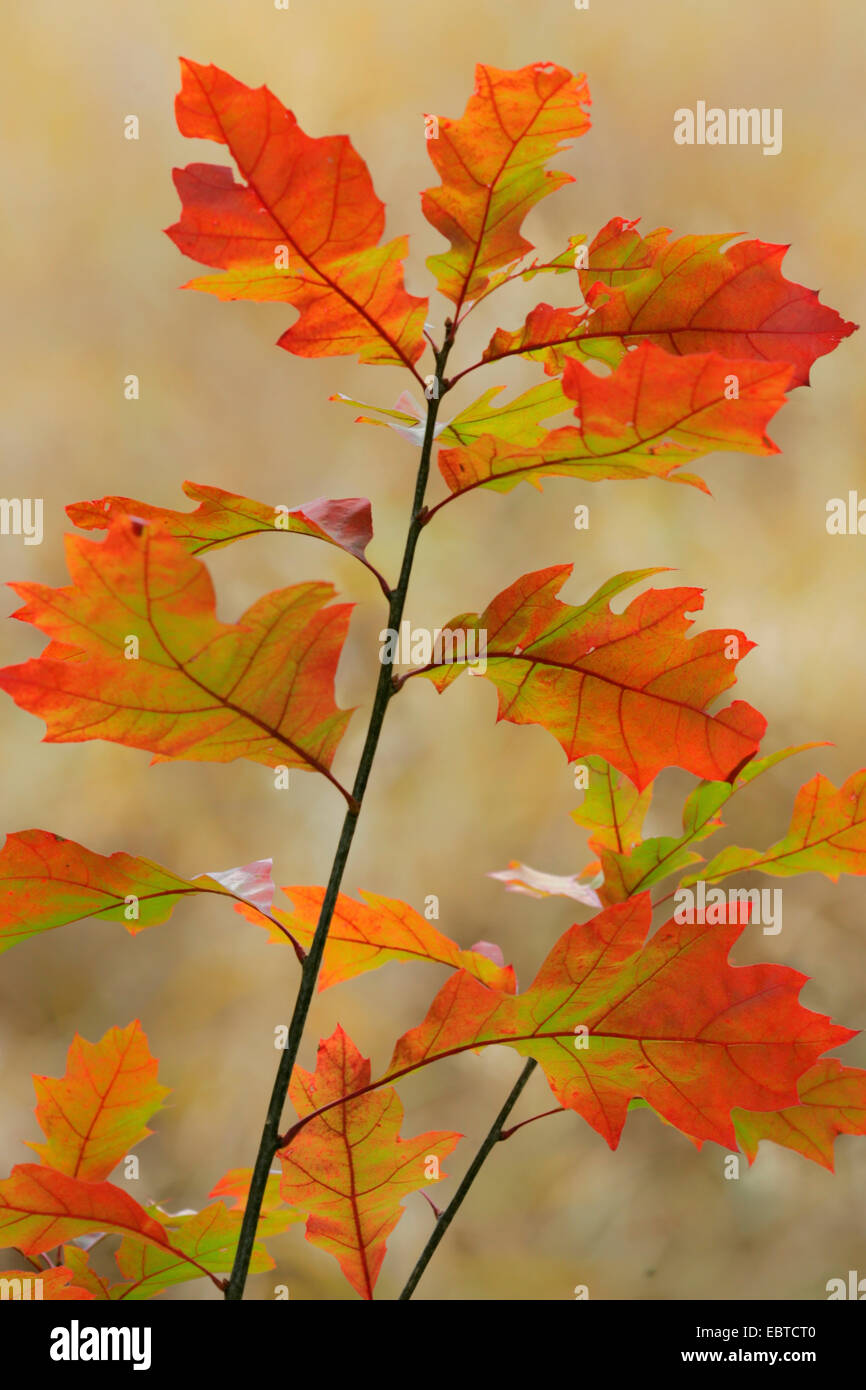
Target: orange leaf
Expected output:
[197,688]
[47,881]
[303,229]
[827,835]
[686,296]
[97,1112]
[349,1170]
[85,1275]
[222,517]
[629,687]
[41,1208]
[236,1183]
[666,1019]
[201,1242]
[362,936]
[832,1101]
[646,419]
[491,165]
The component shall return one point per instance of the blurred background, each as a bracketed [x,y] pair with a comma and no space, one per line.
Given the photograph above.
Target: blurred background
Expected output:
[92,295]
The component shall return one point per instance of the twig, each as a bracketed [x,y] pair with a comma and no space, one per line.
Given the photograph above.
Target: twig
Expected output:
[270,1140]
[444,1221]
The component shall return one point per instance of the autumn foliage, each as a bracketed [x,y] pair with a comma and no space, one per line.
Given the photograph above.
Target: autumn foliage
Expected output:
[673,347]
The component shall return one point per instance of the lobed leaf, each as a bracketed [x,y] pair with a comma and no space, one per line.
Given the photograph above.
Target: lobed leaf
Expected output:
[686,296]
[365,935]
[78,1261]
[209,1240]
[668,1020]
[648,418]
[98,1111]
[348,1170]
[831,1101]
[626,686]
[222,517]
[491,163]
[198,689]
[660,856]
[307,201]
[827,835]
[41,1208]
[47,881]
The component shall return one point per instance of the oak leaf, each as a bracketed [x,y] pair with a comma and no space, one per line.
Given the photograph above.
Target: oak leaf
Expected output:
[304,228]
[643,864]
[41,1208]
[831,1101]
[196,688]
[348,1170]
[667,1019]
[222,517]
[627,686]
[827,835]
[47,881]
[686,296]
[491,163]
[201,1242]
[650,416]
[94,1114]
[364,935]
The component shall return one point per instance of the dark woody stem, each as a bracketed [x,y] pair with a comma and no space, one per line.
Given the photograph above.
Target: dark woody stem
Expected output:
[270,1140]
[494,1134]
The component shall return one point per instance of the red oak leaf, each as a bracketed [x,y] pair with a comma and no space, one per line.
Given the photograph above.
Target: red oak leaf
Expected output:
[364,935]
[646,419]
[97,1112]
[201,1242]
[47,881]
[222,517]
[349,1170]
[832,1101]
[303,229]
[627,686]
[491,165]
[687,296]
[194,688]
[827,835]
[666,1019]
[41,1208]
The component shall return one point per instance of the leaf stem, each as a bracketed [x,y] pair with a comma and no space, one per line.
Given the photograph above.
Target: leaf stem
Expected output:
[270,1140]
[557,1110]
[447,1216]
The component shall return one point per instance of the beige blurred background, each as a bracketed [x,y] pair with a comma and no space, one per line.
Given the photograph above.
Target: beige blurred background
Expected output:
[92,294]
